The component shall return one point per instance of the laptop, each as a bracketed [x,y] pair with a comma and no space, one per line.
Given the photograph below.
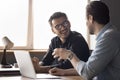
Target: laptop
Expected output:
[26,67]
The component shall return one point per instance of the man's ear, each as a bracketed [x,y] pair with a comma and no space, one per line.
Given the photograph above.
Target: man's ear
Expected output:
[69,24]
[90,18]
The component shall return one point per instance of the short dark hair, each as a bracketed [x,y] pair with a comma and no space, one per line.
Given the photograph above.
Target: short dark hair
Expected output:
[99,11]
[57,15]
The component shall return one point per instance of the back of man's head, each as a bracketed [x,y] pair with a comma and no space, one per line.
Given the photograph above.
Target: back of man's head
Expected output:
[99,11]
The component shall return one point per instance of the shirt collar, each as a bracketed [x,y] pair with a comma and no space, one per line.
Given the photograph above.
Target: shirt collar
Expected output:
[102,31]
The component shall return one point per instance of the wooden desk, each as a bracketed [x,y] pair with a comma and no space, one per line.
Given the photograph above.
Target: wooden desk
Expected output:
[24,78]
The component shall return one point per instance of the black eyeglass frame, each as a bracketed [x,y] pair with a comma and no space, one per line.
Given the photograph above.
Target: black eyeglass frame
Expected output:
[63,24]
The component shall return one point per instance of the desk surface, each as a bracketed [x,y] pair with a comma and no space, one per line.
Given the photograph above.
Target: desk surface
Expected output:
[13,74]
[24,78]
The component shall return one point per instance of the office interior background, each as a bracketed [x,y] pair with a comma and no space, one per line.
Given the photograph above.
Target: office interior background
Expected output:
[25,22]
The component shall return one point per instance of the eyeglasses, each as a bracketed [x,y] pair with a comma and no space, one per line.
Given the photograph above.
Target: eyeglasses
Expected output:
[63,24]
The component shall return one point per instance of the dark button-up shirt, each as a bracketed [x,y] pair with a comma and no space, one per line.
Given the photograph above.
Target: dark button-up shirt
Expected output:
[75,42]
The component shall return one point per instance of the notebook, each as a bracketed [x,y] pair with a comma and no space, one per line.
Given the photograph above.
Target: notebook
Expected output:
[26,67]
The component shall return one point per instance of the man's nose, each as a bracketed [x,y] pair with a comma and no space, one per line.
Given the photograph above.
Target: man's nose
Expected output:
[62,27]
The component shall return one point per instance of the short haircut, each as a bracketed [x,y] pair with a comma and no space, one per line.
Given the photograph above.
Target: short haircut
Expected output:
[99,11]
[57,15]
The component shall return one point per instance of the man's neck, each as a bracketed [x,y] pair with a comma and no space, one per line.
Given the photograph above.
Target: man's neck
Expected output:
[63,40]
[98,27]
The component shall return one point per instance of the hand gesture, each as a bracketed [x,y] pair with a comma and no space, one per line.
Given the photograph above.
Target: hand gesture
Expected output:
[61,53]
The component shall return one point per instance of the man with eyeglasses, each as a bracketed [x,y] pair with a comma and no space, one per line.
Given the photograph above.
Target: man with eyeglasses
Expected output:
[67,39]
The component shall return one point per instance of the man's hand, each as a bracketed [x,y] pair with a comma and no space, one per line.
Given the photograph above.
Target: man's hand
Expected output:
[35,61]
[38,67]
[61,53]
[63,72]
[57,71]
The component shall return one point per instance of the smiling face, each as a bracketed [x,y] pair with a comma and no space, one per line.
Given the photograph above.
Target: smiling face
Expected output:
[61,27]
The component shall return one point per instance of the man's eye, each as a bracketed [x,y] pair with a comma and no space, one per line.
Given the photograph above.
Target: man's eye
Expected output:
[57,26]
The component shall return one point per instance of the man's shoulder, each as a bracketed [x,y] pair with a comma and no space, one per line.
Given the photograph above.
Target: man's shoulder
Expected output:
[76,36]
[75,33]
[55,38]
[112,33]
[112,36]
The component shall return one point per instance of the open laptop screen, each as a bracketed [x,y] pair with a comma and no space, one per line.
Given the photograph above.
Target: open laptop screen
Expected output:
[26,66]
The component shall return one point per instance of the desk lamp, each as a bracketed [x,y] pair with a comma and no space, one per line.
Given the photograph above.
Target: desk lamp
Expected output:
[8,44]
